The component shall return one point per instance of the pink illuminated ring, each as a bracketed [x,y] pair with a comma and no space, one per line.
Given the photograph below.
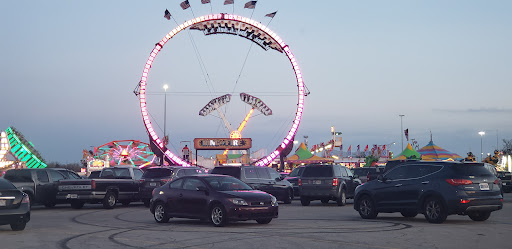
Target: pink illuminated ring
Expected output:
[277,44]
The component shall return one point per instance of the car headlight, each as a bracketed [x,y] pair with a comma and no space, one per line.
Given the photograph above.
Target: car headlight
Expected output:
[238,201]
[273,200]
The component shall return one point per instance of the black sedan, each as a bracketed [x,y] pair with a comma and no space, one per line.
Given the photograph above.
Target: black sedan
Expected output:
[14,206]
[217,198]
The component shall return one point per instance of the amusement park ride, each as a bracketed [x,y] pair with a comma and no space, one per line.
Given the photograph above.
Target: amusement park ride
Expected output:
[16,151]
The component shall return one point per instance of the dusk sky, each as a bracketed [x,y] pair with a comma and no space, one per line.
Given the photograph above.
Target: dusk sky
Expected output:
[70,67]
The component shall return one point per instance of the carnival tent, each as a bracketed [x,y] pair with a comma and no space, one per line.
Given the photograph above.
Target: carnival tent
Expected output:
[408,153]
[432,152]
[303,155]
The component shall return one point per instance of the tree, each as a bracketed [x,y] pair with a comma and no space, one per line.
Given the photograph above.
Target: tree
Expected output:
[507,146]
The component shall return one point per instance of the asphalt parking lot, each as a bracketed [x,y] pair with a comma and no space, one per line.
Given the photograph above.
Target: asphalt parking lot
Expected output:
[315,226]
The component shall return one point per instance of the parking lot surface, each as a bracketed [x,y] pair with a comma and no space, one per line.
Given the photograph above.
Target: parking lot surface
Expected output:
[314,226]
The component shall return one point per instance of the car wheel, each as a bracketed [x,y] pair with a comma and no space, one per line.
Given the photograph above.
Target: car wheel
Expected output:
[160,214]
[218,216]
[50,204]
[18,226]
[289,197]
[342,198]
[77,204]
[264,221]
[146,202]
[434,210]
[110,200]
[480,216]
[304,201]
[125,203]
[366,208]
[324,201]
[409,214]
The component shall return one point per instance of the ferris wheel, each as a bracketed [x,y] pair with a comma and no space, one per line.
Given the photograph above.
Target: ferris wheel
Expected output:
[237,26]
[124,152]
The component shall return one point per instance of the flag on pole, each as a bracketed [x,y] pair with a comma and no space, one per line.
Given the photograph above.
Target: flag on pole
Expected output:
[349,152]
[185,5]
[250,5]
[366,149]
[406,132]
[271,15]
[167,14]
[205,1]
[229,2]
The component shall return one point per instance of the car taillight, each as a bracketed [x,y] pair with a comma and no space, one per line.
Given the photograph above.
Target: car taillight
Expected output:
[497,181]
[93,184]
[25,199]
[462,201]
[300,182]
[153,192]
[457,182]
[335,182]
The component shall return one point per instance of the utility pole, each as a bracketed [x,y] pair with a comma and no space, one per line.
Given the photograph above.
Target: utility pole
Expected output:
[402,130]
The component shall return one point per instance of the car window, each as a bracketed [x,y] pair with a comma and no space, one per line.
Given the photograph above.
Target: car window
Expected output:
[343,172]
[56,176]
[226,184]
[123,173]
[94,174]
[18,175]
[192,184]
[338,171]
[273,173]
[157,173]
[73,175]
[42,176]
[263,173]
[349,173]
[318,171]
[230,171]
[296,172]
[180,173]
[176,184]
[190,172]
[470,170]
[137,174]
[429,169]
[250,173]
[397,173]
[4,184]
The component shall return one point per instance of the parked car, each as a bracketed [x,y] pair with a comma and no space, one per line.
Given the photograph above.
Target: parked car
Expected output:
[327,182]
[506,180]
[39,184]
[294,177]
[261,178]
[436,189]
[114,184]
[367,173]
[217,198]
[14,206]
[157,176]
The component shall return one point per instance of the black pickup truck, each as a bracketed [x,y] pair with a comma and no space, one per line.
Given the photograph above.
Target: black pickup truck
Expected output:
[113,184]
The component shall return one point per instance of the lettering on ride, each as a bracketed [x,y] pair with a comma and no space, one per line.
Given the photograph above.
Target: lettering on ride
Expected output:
[256,103]
[214,104]
[222,143]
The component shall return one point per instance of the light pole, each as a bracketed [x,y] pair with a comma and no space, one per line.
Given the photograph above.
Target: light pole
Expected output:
[165,112]
[481,133]
[402,130]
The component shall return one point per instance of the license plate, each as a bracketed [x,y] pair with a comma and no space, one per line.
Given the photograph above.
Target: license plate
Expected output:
[484,186]
[317,182]
[2,203]
[72,196]
[504,183]
[152,184]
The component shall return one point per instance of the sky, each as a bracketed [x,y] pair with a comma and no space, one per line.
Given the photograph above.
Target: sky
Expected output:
[70,67]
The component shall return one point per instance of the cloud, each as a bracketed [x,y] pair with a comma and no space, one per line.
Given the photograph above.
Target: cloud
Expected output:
[471,110]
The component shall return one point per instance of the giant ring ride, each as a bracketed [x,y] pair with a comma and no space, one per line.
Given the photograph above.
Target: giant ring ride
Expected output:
[227,24]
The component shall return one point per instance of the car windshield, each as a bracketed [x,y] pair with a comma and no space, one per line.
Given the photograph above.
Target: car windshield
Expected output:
[317,171]
[471,170]
[4,184]
[226,184]
[230,171]
[296,172]
[157,173]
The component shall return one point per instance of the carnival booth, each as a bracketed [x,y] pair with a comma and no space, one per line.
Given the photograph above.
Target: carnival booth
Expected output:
[304,156]
[432,152]
[408,153]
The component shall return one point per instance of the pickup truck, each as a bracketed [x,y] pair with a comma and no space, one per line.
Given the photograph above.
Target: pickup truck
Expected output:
[39,184]
[113,184]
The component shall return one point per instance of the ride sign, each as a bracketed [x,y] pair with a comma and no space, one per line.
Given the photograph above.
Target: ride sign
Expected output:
[222,143]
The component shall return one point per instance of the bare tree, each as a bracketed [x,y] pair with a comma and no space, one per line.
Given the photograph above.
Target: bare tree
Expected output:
[507,146]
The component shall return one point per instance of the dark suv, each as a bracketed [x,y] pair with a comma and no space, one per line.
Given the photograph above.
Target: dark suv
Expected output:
[506,180]
[260,178]
[436,189]
[327,182]
[294,177]
[154,177]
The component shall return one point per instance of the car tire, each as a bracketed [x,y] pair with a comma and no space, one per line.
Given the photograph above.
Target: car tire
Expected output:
[146,202]
[409,214]
[110,200]
[18,226]
[218,215]
[324,201]
[434,210]
[480,216]
[264,221]
[77,204]
[304,201]
[342,198]
[160,214]
[366,208]
[289,196]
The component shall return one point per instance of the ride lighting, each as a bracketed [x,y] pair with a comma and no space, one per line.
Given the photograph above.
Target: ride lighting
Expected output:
[268,36]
